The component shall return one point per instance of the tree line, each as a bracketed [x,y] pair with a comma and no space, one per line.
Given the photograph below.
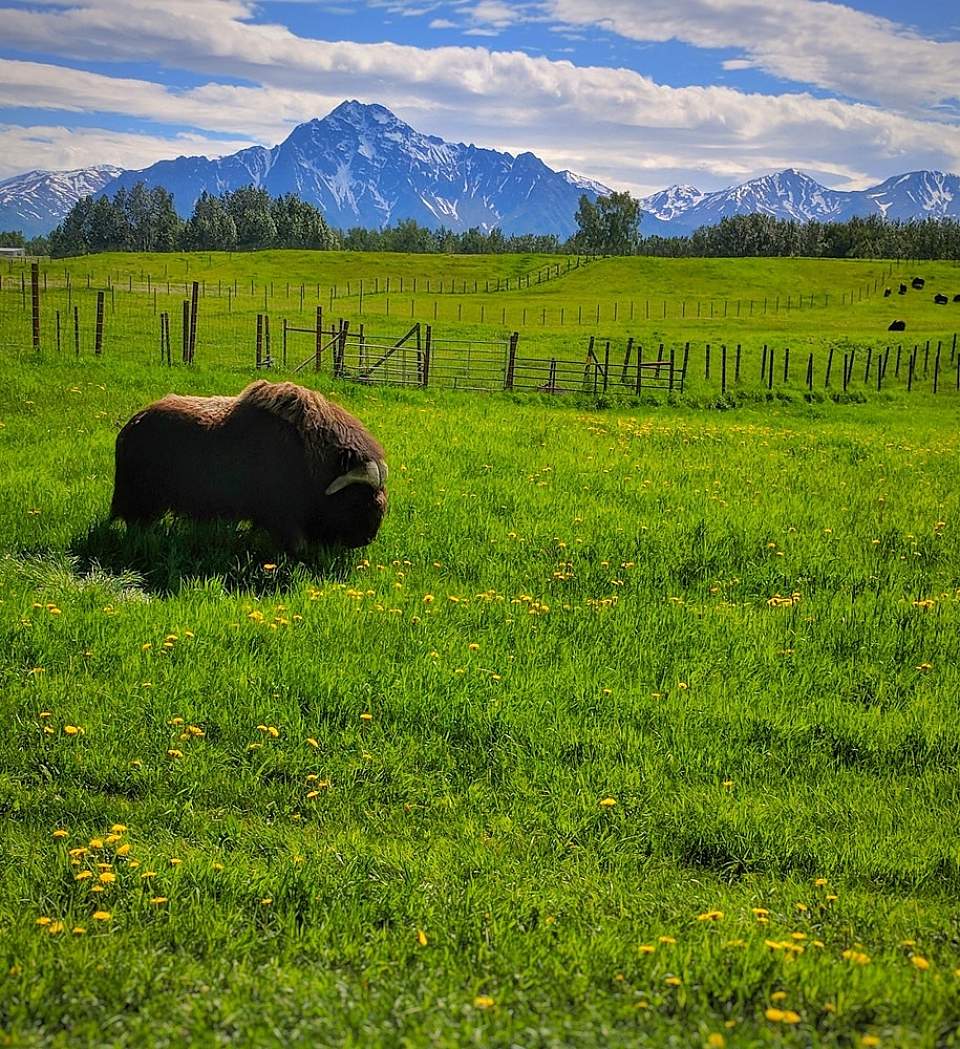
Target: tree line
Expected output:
[249,219]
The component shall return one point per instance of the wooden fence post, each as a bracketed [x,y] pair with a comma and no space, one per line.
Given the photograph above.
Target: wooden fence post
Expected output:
[427,349]
[511,362]
[185,334]
[810,372]
[723,368]
[35,303]
[76,330]
[318,348]
[98,335]
[826,378]
[194,305]
[259,340]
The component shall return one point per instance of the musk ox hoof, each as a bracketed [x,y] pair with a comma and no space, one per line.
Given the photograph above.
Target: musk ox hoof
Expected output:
[278,454]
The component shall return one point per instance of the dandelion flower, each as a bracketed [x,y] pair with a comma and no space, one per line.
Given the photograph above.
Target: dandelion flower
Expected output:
[72,730]
[158,900]
[869,1040]
[60,833]
[107,877]
[919,962]
[78,930]
[646,948]
[668,939]
[102,916]
[607,803]
[483,1001]
[83,876]
[673,981]
[174,753]
[710,916]
[366,716]
[43,920]
[421,938]
[715,1040]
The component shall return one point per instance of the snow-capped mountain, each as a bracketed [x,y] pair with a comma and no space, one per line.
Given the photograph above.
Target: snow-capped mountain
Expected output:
[363,166]
[793,195]
[36,201]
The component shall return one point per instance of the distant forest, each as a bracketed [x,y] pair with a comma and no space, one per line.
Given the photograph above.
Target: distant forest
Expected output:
[249,219]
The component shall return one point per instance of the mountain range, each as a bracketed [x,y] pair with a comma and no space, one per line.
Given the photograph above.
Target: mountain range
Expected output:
[363,166]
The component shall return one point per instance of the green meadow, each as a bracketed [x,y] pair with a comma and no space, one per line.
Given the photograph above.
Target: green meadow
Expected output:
[638,724]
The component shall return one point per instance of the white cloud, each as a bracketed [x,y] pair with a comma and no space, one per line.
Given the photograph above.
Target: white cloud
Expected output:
[828,45]
[60,148]
[443,23]
[613,124]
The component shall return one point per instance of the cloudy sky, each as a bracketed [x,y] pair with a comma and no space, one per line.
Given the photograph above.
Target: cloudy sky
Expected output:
[636,93]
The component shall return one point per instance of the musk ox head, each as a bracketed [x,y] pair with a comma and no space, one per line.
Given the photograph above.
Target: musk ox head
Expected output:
[279,455]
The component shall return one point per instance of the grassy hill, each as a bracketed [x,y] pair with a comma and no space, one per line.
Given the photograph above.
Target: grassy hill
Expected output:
[631,727]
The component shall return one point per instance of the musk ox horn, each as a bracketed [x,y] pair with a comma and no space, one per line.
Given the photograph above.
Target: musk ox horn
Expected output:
[373,472]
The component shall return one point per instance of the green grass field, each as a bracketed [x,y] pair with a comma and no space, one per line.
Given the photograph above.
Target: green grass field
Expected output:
[809,306]
[633,727]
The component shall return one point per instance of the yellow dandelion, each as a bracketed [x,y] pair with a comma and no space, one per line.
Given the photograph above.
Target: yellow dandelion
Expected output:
[217,866]
[124,850]
[175,862]
[107,877]
[919,962]
[174,753]
[869,1040]
[668,939]
[95,843]
[60,833]
[673,981]
[102,916]
[607,803]
[266,901]
[483,1001]
[269,567]
[72,730]
[716,1040]
[158,900]
[421,938]
[710,916]
[820,882]
[78,930]
[55,928]
[83,876]
[646,948]
[43,920]
[857,957]
[366,716]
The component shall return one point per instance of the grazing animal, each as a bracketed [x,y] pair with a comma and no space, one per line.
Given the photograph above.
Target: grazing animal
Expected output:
[886,293]
[918,282]
[897,326]
[278,455]
[956,298]
[903,290]
[940,300]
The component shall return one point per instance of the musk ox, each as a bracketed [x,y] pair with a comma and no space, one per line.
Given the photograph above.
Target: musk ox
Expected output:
[902,290]
[918,282]
[886,293]
[277,454]
[940,300]
[897,326]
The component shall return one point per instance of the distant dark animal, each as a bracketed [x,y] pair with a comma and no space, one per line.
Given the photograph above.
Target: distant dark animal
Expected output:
[956,298]
[918,282]
[278,455]
[897,326]
[903,290]
[940,300]
[886,293]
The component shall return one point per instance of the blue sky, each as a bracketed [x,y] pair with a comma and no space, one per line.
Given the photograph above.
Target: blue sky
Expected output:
[638,94]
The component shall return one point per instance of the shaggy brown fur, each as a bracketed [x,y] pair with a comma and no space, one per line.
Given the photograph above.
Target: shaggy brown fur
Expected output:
[267,455]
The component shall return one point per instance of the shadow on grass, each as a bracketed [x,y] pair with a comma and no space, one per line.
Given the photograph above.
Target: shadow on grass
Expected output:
[172,553]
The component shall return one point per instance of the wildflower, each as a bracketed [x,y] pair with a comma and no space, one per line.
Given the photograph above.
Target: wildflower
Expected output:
[673,981]
[83,876]
[102,916]
[820,882]
[801,907]
[269,567]
[869,1040]
[785,1016]
[118,828]
[313,743]
[148,874]
[266,901]
[919,962]
[473,647]
[715,1040]
[607,803]
[366,716]
[158,900]
[95,843]
[174,753]
[857,957]
[107,877]
[421,938]
[124,850]
[78,930]
[55,928]
[646,948]
[483,1001]
[668,939]
[710,916]
[43,920]
[217,866]
[728,784]
[72,730]
[60,833]
[174,862]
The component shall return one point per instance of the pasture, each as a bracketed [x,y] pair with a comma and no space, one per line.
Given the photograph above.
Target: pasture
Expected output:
[631,727]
